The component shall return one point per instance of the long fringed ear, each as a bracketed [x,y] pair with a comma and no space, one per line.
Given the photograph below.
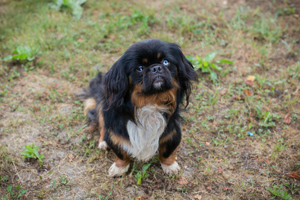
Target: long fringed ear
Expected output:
[186,74]
[115,84]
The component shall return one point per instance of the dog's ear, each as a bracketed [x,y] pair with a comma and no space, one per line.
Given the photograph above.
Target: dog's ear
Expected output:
[186,74]
[116,84]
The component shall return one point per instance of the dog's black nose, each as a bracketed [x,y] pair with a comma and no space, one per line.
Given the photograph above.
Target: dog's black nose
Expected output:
[156,69]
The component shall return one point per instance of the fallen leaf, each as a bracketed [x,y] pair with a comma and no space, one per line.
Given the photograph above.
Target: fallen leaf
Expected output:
[182,181]
[198,197]
[215,123]
[36,108]
[220,170]
[207,143]
[209,188]
[250,119]
[223,91]
[112,36]
[247,92]
[294,175]
[267,161]
[250,78]
[249,82]
[71,157]
[226,188]
[296,15]
[183,6]
[287,119]
[140,198]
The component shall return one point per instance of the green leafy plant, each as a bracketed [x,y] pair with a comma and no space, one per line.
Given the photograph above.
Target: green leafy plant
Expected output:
[32,152]
[141,175]
[277,192]
[73,5]
[208,65]
[22,54]
[12,194]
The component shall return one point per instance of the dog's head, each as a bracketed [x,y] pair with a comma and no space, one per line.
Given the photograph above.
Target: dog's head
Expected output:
[149,67]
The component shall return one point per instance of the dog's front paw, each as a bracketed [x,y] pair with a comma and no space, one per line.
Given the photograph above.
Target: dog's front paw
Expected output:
[102,145]
[117,171]
[171,169]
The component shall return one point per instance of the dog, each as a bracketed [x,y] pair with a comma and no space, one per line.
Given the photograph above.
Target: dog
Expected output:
[135,105]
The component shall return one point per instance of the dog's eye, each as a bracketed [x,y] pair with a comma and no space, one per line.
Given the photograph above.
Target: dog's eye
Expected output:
[166,62]
[139,69]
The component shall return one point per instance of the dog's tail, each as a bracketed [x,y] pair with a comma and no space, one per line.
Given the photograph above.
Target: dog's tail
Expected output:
[92,97]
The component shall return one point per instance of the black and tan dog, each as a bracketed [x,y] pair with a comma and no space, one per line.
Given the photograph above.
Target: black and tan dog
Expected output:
[135,105]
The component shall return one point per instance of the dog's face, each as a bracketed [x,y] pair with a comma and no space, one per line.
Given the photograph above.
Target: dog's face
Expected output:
[154,68]
[151,67]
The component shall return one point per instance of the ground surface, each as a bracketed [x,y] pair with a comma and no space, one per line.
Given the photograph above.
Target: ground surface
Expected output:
[218,157]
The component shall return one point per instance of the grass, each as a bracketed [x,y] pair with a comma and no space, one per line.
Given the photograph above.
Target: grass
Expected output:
[48,54]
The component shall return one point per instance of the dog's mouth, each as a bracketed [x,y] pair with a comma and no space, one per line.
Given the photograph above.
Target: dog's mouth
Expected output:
[158,82]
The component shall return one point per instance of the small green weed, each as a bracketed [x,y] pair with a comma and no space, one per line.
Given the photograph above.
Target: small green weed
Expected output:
[285,11]
[141,175]
[207,64]
[266,30]
[64,182]
[267,118]
[32,152]
[73,5]
[292,187]
[22,54]
[277,192]
[106,197]
[14,195]
[238,21]
[3,178]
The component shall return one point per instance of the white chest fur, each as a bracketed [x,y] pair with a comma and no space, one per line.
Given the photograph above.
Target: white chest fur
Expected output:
[144,135]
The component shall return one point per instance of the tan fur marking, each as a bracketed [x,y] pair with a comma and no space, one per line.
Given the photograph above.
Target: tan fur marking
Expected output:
[158,55]
[118,140]
[167,137]
[164,99]
[122,163]
[89,104]
[167,161]
[101,125]
[145,60]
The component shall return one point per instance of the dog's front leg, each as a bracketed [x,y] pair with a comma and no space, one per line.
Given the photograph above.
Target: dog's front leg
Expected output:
[167,149]
[120,166]
[122,160]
